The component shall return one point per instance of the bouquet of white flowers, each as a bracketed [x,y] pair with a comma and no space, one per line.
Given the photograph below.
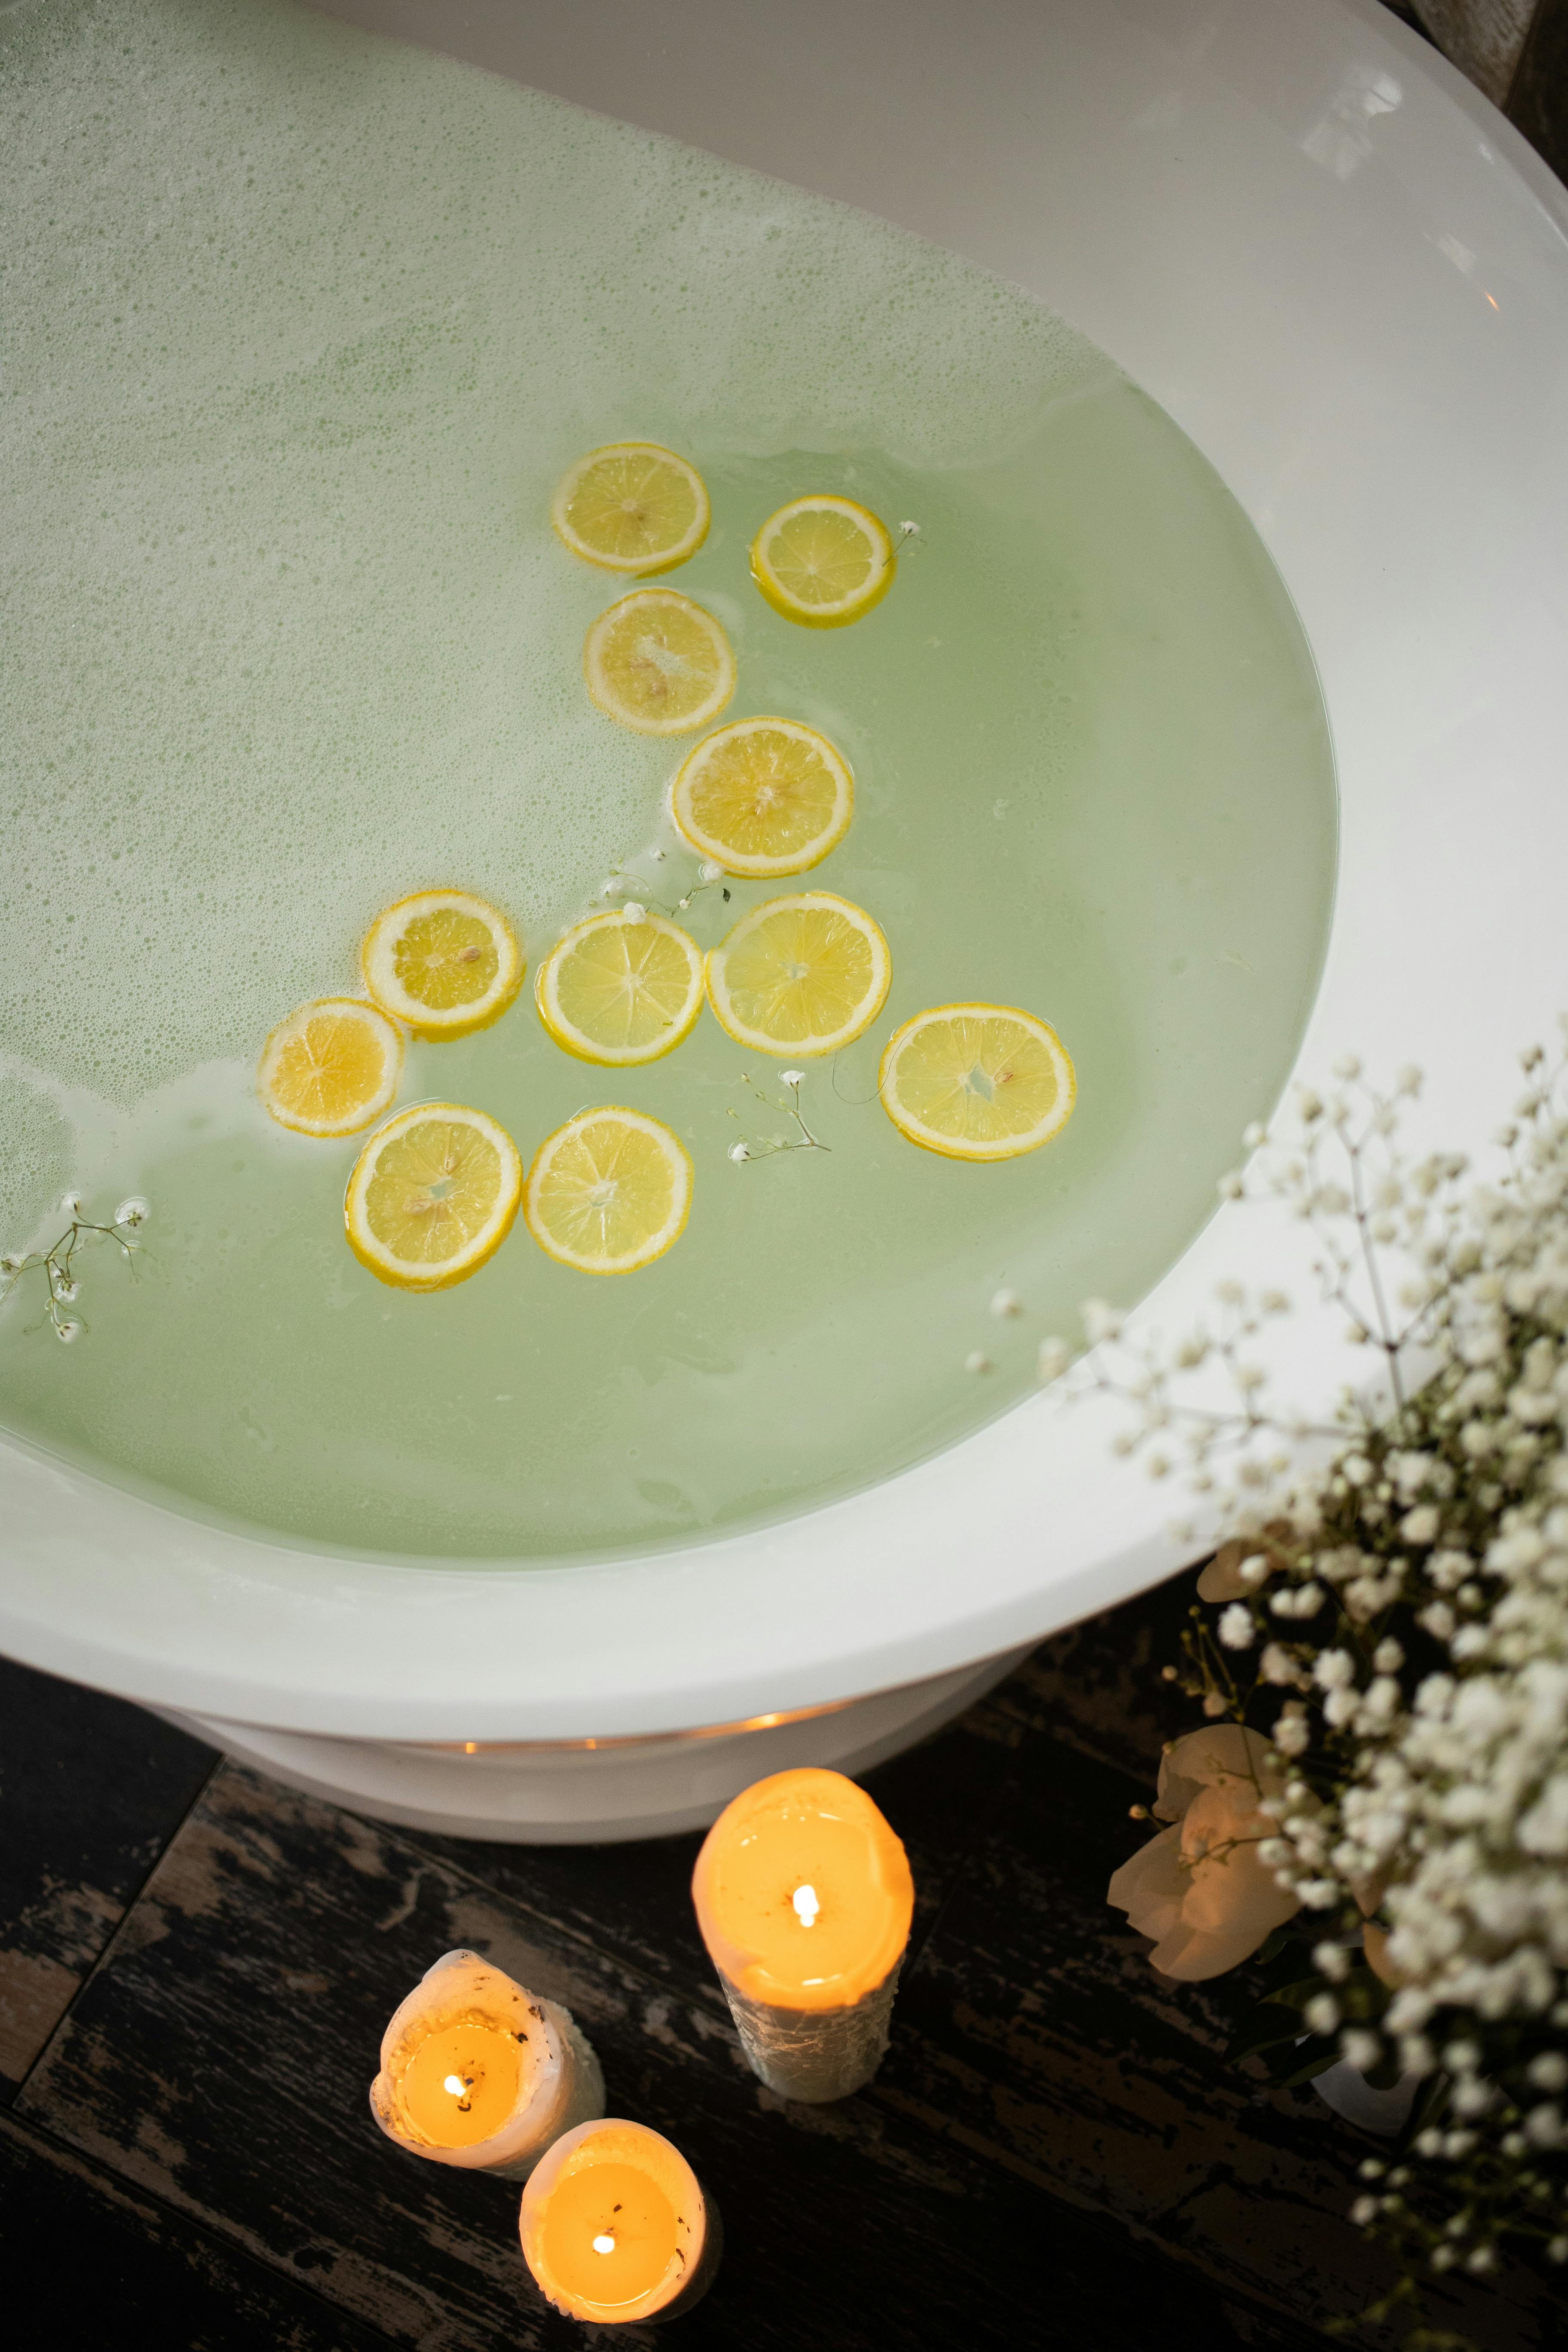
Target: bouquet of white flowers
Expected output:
[1377,1806]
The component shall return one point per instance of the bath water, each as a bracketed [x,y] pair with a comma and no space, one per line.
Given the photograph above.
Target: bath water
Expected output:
[305,326]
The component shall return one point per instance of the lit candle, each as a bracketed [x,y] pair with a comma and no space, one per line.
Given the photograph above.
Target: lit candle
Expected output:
[478,2072]
[805,1899]
[616,2227]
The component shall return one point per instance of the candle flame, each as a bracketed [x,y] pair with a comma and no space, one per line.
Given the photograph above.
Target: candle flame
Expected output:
[456,2084]
[604,2244]
[806,1905]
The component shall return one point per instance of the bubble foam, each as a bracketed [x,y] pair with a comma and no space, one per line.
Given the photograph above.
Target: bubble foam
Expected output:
[305,325]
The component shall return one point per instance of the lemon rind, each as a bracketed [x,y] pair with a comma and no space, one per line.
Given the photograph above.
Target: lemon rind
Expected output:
[1014,1148]
[621,567]
[603,701]
[764,869]
[847,609]
[391,999]
[577,1042]
[871,1005]
[656,1247]
[327,1130]
[392,1270]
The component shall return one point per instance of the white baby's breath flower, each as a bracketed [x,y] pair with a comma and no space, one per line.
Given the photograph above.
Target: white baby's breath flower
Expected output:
[710,872]
[1054,1359]
[792,1078]
[738,1152]
[976,1361]
[1235,1626]
[1006,1303]
[635,911]
[1322,2013]
[133,1213]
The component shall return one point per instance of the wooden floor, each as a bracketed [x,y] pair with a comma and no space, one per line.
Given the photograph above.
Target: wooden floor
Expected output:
[197,1965]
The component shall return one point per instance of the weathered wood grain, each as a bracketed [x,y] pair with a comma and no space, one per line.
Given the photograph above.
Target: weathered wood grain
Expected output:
[219,2060]
[1538,99]
[90,1790]
[86,2261]
[1034,2031]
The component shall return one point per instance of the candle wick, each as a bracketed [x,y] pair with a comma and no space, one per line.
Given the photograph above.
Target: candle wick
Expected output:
[806,1905]
[604,2244]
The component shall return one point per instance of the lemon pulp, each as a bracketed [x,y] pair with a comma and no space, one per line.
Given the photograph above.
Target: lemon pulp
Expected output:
[432,1196]
[659,662]
[621,989]
[634,506]
[444,962]
[978,1081]
[763,797]
[800,975]
[823,560]
[330,1068]
[609,1191]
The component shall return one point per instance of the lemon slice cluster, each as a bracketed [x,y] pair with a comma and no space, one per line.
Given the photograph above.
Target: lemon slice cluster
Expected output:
[443,961]
[659,662]
[801,975]
[763,797]
[608,1193]
[330,1068]
[823,560]
[621,988]
[433,1196]
[978,1081]
[632,508]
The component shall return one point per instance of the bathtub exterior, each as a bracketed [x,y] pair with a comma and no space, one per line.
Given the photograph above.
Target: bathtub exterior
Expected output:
[1346,278]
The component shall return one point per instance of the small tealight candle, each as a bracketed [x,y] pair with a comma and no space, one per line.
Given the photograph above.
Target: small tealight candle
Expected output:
[478,2072]
[805,1899]
[616,2227]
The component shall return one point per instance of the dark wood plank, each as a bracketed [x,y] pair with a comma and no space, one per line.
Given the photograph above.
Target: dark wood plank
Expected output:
[219,2060]
[85,2258]
[1538,101]
[1034,2030]
[90,1790]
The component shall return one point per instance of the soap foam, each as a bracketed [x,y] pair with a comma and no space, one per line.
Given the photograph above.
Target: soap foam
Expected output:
[305,326]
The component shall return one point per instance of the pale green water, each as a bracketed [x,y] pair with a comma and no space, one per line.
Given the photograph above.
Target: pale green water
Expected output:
[303,328]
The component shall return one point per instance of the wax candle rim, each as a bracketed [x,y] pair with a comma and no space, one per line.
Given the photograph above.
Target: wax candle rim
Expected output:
[890,1879]
[432,2005]
[622,2139]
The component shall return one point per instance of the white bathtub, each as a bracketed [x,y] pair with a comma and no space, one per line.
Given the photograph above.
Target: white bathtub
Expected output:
[1346,279]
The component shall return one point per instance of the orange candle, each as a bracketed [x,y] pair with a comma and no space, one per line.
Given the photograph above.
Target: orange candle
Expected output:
[478,2072]
[805,1899]
[616,2227]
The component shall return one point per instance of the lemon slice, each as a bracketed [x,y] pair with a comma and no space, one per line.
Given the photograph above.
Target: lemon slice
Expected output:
[763,797]
[823,561]
[621,988]
[332,1067]
[978,1081]
[657,662]
[609,1191]
[432,1196]
[632,506]
[802,975]
[443,961]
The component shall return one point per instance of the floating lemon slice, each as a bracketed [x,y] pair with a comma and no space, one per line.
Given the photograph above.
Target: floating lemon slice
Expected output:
[609,1191]
[763,797]
[632,506]
[657,662]
[332,1067]
[443,961]
[432,1196]
[621,988]
[978,1081]
[802,975]
[823,561]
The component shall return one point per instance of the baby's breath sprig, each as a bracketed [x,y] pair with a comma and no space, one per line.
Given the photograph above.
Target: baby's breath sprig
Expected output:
[802,1139]
[632,888]
[57,1262]
[1382,1645]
